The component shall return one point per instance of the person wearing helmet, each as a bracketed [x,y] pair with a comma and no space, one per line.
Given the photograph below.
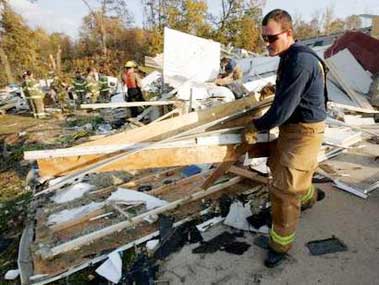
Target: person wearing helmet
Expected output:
[33,94]
[231,77]
[92,84]
[132,81]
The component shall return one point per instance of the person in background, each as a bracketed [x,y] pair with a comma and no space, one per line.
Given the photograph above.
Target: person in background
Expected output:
[34,95]
[132,81]
[104,87]
[231,76]
[80,87]
[92,84]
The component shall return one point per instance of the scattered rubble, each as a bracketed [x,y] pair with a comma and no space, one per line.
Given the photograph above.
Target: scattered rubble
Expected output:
[178,168]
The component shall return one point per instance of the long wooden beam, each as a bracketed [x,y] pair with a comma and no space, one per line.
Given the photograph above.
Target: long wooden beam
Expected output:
[91,237]
[128,104]
[217,139]
[155,132]
[151,158]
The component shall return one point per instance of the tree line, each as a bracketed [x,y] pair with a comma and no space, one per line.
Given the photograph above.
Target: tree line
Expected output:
[108,36]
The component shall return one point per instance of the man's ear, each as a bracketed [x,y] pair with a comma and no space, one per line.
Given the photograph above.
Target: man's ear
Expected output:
[290,33]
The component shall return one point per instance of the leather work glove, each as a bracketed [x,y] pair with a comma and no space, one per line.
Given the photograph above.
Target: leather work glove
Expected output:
[249,135]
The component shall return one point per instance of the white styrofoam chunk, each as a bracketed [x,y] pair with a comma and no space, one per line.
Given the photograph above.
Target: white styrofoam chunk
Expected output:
[190,57]
[133,196]
[12,274]
[73,192]
[152,244]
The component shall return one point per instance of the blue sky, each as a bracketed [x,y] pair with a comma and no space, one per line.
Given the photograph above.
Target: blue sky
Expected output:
[66,15]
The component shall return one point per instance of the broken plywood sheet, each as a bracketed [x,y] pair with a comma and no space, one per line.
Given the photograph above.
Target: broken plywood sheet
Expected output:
[337,95]
[349,68]
[357,169]
[189,57]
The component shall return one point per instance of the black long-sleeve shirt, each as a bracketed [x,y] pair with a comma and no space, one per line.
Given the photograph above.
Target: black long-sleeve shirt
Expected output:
[300,94]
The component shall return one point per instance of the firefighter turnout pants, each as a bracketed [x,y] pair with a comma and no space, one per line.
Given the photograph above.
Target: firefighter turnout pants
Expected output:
[37,106]
[292,161]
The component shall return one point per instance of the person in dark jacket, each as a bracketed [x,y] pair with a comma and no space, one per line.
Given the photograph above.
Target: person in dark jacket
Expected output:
[299,110]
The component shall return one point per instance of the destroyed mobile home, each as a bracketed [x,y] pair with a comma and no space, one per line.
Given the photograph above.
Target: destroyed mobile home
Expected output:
[108,195]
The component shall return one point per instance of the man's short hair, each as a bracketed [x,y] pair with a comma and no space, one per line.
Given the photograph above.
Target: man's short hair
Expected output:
[280,16]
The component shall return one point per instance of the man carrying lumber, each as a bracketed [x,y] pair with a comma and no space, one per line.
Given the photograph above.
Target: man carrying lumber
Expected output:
[132,81]
[299,110]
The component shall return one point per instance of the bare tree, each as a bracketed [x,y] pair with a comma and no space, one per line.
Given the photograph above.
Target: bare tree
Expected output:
[116,7]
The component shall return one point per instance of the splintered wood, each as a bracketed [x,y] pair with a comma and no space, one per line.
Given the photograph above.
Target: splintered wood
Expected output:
[213,137]
[158,132]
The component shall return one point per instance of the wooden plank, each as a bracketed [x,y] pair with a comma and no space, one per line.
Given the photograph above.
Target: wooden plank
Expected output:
[181,183]
[352,108]
[152,132]
[151,158]
[124,247]
[91,237]
[247,174]
[127,104]
[167,115]
[216,139]
[225,166]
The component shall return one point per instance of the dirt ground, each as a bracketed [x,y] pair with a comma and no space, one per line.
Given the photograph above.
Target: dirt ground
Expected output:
[19,133]
[353,220]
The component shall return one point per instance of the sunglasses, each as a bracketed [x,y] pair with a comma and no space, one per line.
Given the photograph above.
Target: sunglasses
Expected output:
[272,38]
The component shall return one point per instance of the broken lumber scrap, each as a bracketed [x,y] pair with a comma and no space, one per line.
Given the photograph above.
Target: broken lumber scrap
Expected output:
[225,166]
[352,108]
[91,237]
[158,131]
[248,174]
[167,115]
[128,104]
[26,274]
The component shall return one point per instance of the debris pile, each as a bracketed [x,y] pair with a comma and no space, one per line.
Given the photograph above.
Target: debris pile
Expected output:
[170,178]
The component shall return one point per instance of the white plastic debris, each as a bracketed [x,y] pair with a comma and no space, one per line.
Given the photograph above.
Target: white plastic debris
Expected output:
[73,192]
[210,223]
[355,120]
[111,269]
[237,215]
[12,274]
[258,164]
[69,214]
[135,197]
[152,244]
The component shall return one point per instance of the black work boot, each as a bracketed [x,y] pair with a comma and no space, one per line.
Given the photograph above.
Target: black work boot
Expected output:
[274,258]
